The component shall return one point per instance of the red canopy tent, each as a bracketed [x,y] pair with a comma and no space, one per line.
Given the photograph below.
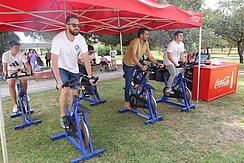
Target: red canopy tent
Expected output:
[96,16]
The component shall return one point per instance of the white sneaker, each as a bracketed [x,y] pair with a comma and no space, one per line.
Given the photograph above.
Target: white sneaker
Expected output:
[170,91]
[28,98]
[15,108]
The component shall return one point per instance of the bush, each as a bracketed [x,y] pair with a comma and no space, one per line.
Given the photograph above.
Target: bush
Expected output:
[104,50]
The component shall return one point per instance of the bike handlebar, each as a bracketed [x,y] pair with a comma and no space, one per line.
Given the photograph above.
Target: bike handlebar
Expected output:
[69,82]
[17,75]
[95,78]
[181,65]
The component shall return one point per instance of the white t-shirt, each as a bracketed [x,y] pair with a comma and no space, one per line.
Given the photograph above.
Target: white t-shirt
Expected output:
[175,49]
[14,63]
[91,57]
[68,51]
[113,53]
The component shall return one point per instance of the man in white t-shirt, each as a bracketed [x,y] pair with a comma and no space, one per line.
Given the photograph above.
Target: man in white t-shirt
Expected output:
[13,61]
[92,57]
[113,54]
[92,54]
[174,54]
[67,47]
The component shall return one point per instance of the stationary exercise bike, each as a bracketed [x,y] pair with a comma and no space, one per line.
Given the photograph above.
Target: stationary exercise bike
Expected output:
[90,92]
[142,97]
[77,130]
[180,90]
[24,108]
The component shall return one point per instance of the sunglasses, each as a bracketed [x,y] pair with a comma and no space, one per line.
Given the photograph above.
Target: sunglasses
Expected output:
[75,25]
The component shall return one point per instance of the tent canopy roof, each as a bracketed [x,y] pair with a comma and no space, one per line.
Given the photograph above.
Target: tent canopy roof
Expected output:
[96,16]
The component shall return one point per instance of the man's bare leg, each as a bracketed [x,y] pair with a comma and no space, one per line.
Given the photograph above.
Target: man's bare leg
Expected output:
[24,84]
[63,100]
[73,92]
[12,92]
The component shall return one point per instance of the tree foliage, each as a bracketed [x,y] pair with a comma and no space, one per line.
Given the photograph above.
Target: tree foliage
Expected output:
[229,22]
[46,36]
[161,38]
[5,37]
[115,39]
[192,5]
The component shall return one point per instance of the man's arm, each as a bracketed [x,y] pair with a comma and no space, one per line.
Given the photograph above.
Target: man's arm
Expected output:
[153,60]
[171,58]
[86,60]
[134,59]
[150,57]
[182,57]
[54,60]
[5,69]
[80,62]
[27,66]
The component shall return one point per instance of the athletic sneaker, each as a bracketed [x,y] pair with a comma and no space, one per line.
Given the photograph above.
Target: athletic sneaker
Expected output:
[28,98]
[63,122]
[170,91]
[15,108]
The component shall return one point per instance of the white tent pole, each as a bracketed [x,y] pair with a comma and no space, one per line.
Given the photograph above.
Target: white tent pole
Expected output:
[120,35]
[121,42]
[3,136]
[199,62]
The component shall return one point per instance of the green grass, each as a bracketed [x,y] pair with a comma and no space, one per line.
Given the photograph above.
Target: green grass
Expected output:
[213,132]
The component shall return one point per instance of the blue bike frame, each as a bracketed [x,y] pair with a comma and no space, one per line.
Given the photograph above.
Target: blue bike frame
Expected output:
[182,84]
[27,117]
[147,88]
[74,116]
[95,100]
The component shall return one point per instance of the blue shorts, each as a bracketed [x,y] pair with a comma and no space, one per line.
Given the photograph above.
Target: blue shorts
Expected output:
[66,75]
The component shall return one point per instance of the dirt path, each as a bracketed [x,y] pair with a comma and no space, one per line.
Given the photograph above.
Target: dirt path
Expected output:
[49,84]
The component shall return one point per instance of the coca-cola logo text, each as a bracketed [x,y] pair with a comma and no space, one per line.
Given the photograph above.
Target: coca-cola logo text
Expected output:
[222,82]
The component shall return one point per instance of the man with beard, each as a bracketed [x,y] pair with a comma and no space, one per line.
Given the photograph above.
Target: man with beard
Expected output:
[133,60]
[67,47]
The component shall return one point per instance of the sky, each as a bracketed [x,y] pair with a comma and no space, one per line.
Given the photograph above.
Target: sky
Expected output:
[211,3]
[24,39]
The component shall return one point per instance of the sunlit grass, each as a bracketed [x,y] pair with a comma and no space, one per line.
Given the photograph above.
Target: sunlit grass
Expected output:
[213,132]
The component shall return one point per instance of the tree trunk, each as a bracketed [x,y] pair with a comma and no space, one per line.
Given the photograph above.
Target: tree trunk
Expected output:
[230,49]
[240,51]
[208,53]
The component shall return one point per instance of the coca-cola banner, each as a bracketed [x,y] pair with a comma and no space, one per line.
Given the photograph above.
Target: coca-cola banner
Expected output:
[215,81]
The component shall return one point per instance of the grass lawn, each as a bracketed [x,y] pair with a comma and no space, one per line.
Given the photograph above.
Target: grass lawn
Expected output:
[213,132]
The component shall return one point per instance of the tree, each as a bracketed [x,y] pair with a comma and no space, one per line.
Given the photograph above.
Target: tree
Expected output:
[5,37]
[115,39]
[229,23]
[209,38]
[47,36]
[193,5]
[162,38]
